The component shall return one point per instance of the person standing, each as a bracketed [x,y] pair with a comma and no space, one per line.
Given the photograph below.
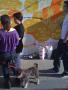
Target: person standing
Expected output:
[9,39]
[58,52]
[64,36]
[20,29]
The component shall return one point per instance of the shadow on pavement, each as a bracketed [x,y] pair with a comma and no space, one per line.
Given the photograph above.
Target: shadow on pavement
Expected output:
[13,84]
[49,73]
[59,89]
[1,83]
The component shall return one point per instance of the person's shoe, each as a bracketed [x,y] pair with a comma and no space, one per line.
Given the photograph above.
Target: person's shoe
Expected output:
[64,75]
[56,70]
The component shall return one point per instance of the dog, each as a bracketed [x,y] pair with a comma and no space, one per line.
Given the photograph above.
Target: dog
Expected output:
[26,74]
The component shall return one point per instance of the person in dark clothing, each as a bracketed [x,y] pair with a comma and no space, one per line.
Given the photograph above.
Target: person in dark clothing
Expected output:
[20,29]
[9,39]
[62,48]
[65,31]
[65,61]
[57,53]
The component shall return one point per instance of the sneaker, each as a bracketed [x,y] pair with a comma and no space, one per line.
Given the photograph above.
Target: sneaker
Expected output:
[64,75]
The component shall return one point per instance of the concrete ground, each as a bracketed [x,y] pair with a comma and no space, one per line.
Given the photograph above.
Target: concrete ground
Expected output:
[48,79]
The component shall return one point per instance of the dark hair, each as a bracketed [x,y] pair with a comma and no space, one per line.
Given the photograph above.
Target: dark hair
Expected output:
[18,15]
[5,21]
[66,3]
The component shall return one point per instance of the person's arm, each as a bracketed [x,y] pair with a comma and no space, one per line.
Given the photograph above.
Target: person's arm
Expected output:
[64,30]
[17,37]
[22,32]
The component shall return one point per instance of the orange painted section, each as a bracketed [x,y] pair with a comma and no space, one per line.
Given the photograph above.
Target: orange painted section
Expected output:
[53,18]
[45,13]
[56,1]
[11,12]
[55,9]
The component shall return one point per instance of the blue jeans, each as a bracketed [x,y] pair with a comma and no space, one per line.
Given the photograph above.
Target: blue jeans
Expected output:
[18,61]
[6,58]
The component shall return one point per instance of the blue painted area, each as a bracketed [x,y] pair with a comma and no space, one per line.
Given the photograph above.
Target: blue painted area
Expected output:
[27,16]
[48,2]
[44,4]
[22,1]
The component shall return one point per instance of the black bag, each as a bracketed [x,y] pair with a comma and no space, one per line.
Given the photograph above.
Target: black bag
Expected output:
[19,47]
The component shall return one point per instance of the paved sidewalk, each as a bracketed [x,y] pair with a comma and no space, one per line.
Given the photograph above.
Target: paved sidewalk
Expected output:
[48,80]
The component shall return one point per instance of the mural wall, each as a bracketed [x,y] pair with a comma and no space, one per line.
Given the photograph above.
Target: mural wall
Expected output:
[42,20]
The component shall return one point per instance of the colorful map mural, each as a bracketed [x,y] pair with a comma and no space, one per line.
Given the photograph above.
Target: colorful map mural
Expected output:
[42,18]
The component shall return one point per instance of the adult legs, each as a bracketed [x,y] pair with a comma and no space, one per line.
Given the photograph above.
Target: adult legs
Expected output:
[65,73]
[56,62]
[5,70]
[57,54]
[6,57]
[65,64]
[65,60]
[56,65]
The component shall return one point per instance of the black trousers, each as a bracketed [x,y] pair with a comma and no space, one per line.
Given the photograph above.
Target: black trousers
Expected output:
[57,53]
[65,58]
[56,62]
[65,64]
